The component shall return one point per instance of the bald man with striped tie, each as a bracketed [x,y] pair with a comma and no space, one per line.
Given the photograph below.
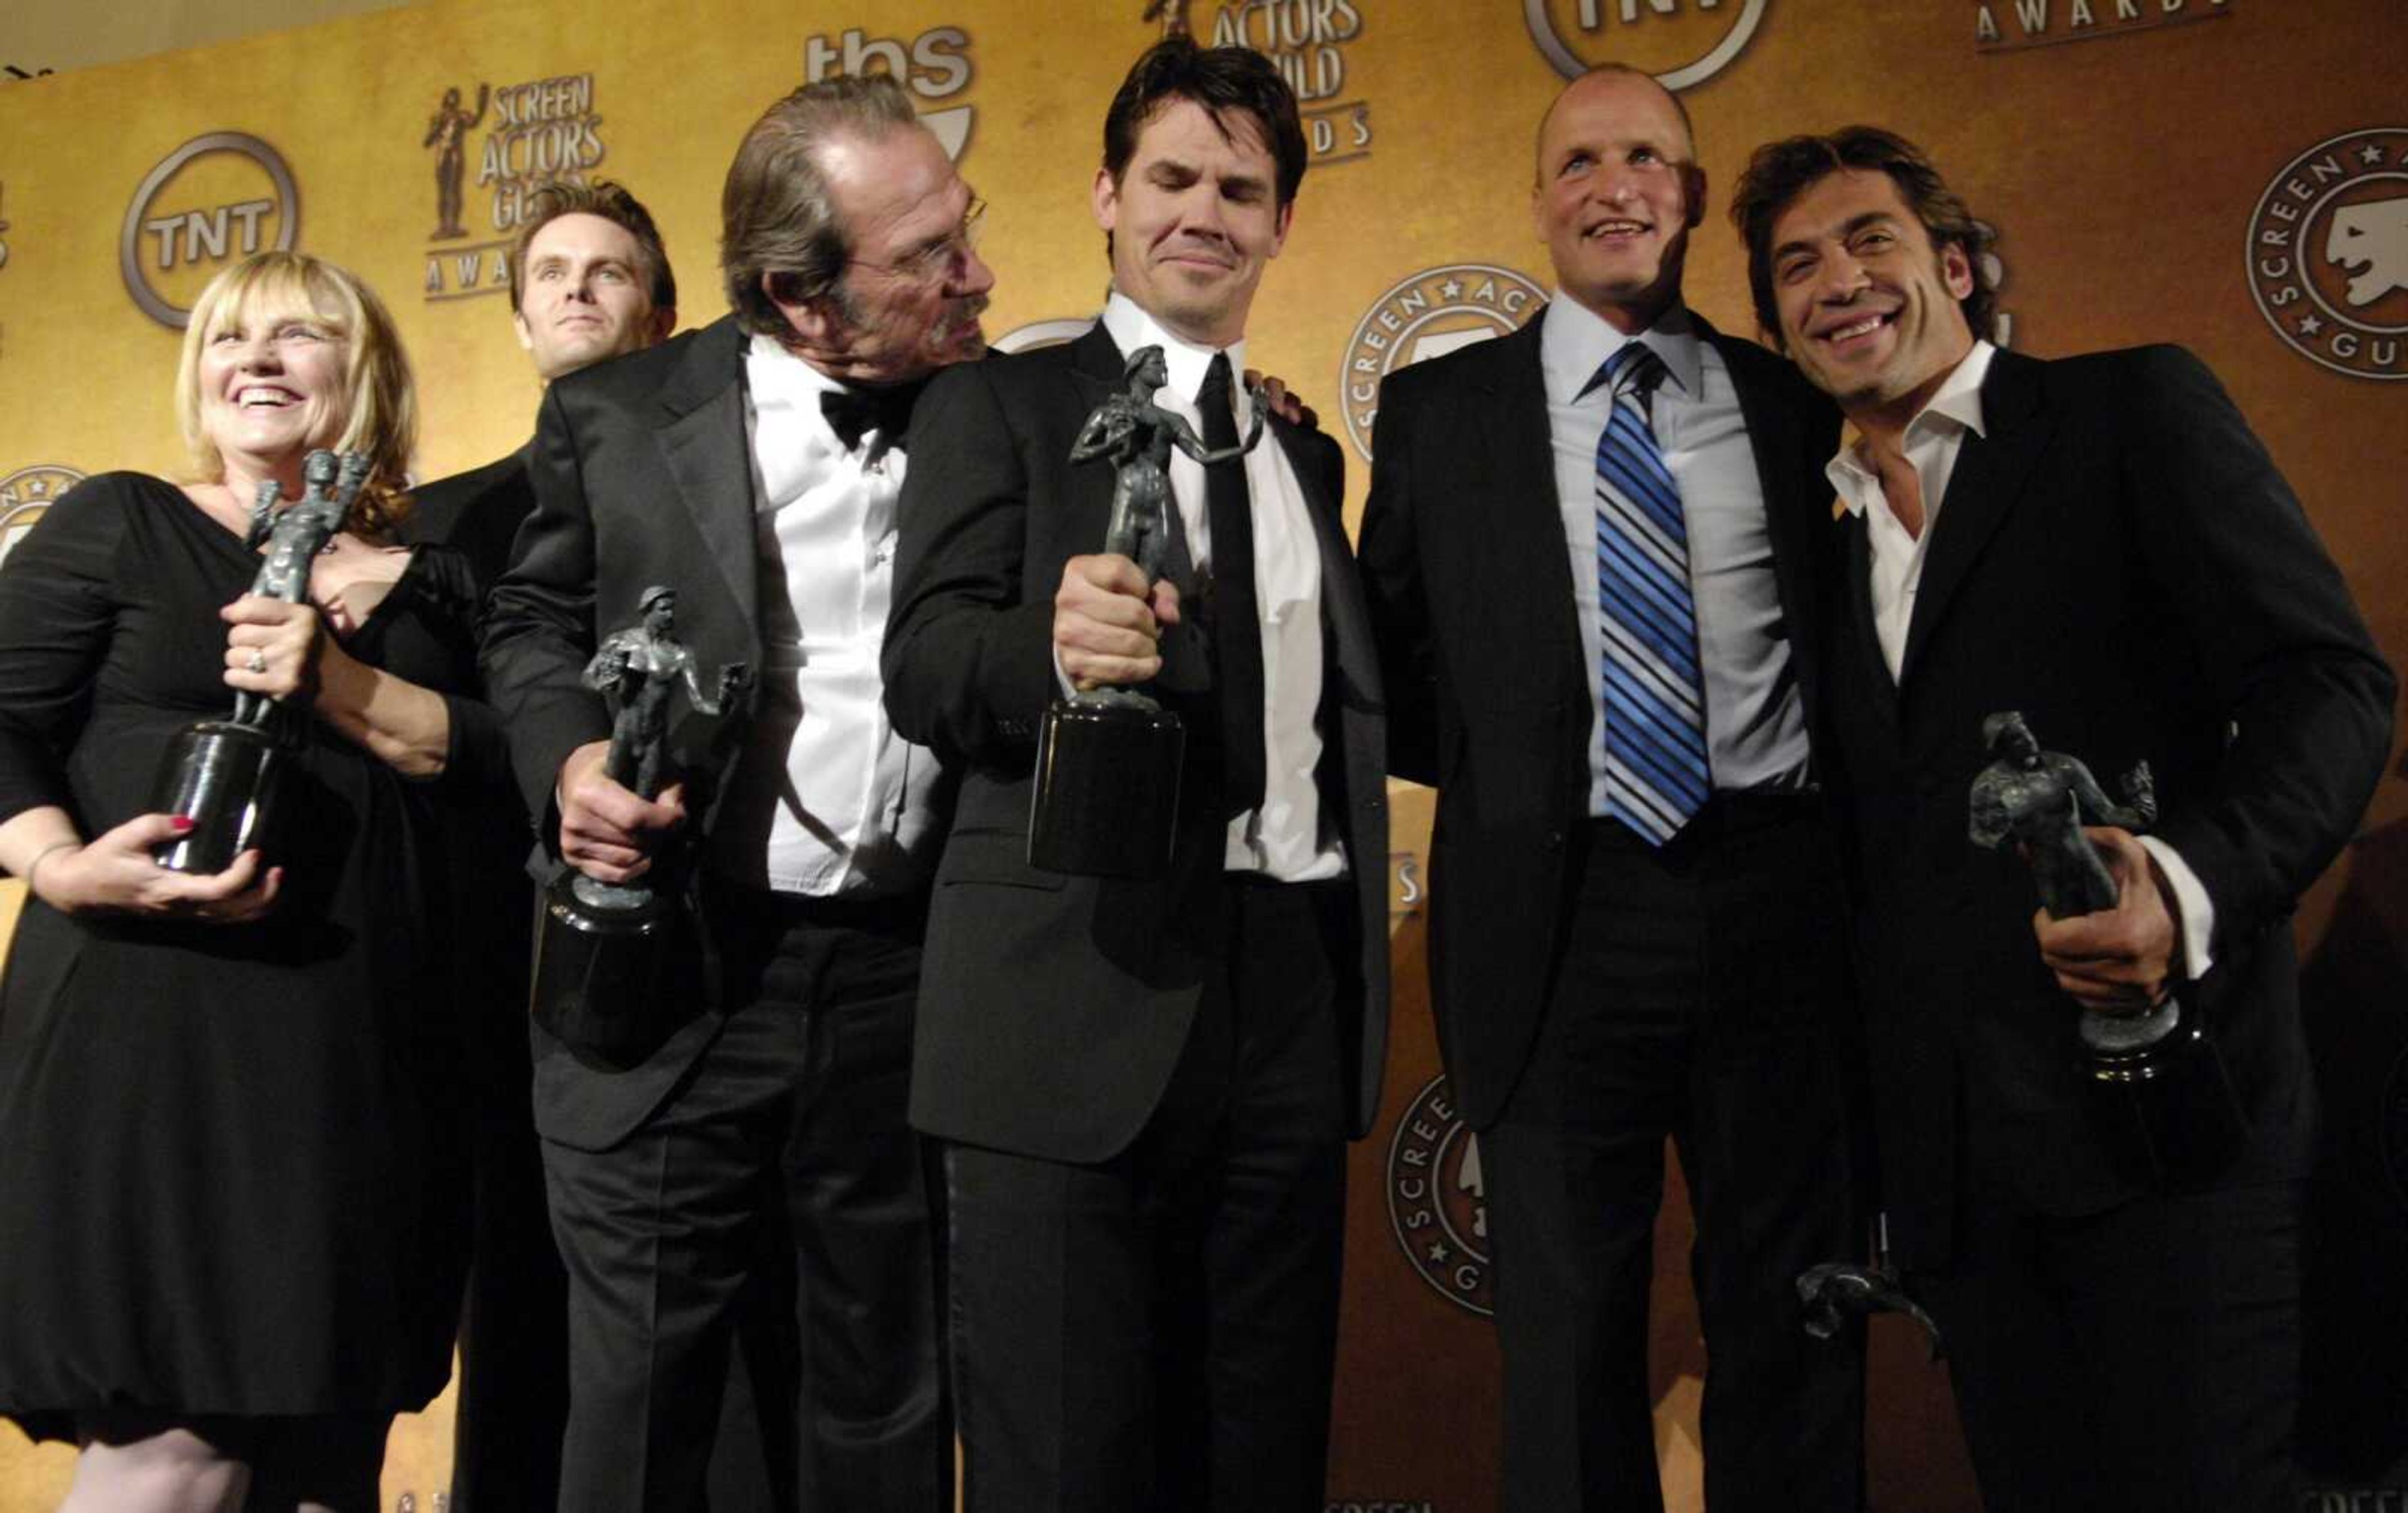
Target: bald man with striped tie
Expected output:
[1590,553]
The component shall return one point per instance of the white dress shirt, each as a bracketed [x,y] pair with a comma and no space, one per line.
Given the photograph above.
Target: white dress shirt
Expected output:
[1755,723]
[1284,839]
[1930,443]
[827,799]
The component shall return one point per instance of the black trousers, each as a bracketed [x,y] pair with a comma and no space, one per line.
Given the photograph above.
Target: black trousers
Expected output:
[778,1187]
[2146,1357]
[1157,1332]
[1700,995]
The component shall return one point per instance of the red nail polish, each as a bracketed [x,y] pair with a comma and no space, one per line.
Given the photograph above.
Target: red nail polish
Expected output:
[183,823]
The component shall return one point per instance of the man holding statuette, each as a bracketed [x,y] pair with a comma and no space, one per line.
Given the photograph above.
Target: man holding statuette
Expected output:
[1144,1086]
[2099,543]
[759,1141]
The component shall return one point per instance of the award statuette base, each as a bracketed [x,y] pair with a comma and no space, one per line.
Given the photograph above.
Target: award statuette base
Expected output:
[225,777]
[598,975]
[1105,802]
[2165,1102]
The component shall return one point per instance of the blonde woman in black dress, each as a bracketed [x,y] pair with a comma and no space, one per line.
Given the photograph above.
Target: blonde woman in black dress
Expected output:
[229,1170]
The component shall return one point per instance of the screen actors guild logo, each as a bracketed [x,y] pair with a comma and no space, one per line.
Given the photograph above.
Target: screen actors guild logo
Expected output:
[2329,253]
[26,497]
[1429,314]
[448,134]
[2083,20]
[220,196]
[545,131]
[1681,44]
[1438,1201]
[1305,40]
[933,65]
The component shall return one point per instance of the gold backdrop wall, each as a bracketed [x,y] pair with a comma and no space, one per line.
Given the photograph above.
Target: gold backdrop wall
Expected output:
[2231,174]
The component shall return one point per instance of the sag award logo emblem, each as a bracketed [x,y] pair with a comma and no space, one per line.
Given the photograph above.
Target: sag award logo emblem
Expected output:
[1428,315]
[25,494]
[217,198]
[1306,40]
[2328,251]
[544,130]
[1682,42]
[1436,1200]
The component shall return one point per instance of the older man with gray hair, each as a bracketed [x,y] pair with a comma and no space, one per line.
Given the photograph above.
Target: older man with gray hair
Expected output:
[755,1139]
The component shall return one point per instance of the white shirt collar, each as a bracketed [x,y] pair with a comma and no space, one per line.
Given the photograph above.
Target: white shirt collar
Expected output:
[1956,402]
[777,373]
[1575,341]
[1131,327]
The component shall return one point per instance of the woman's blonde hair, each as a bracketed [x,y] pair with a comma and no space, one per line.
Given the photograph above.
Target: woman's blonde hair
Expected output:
[380,404]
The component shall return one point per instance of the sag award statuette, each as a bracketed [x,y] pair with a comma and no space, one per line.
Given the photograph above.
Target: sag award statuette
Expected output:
[225,775]
[2165,1100]
[1105,795]
[598,957]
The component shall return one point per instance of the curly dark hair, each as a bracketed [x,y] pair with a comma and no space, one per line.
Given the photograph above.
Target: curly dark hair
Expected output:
[1779,172]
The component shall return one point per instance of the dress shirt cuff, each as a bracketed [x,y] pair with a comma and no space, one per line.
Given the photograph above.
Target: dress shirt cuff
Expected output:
[2194,912]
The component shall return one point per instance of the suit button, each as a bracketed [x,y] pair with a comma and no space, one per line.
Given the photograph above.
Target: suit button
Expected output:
[1554,840]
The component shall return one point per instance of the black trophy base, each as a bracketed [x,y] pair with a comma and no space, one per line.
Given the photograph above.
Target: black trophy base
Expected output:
[599,968]
[1106,795]
[2164,1098]
[225,778]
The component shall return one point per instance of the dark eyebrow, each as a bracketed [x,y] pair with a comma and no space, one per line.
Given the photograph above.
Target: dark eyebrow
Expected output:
[1855,224]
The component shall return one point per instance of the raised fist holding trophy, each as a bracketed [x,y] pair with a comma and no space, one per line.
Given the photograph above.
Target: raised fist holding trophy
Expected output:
[226,775]
[2163,1079]
[1105,797]
[599,954]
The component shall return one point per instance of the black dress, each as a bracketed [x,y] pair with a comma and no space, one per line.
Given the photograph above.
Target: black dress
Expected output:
[230,1176]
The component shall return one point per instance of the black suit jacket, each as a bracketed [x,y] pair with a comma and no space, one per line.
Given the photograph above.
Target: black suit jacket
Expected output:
[2117,557]
[1472,599]
[642,474]
[1053,1010]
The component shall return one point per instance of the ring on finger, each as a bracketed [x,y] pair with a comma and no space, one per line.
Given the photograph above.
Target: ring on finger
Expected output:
[258,662]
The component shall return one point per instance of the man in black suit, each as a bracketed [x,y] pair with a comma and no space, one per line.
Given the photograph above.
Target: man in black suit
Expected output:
[1590,555]
[2100,543]
[589,280]
[1144,1087]
[753,465]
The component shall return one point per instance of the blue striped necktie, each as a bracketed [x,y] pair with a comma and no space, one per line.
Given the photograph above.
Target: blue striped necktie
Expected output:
[1655,711]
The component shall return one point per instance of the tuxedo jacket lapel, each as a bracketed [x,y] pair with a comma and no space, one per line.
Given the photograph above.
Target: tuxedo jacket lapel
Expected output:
[708,451]
[1991,470]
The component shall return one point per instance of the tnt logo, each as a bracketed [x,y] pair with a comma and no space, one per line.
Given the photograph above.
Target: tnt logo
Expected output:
[1682,42]
[217,198]
[933,65]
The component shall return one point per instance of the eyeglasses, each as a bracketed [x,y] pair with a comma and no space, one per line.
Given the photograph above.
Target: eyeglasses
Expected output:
[940,261]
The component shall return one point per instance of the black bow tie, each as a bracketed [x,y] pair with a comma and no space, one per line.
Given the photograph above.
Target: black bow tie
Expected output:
[854,413]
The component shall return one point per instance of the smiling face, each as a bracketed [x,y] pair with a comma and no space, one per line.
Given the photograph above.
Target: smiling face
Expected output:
[1618,191]
[1868,308]
[272,383]
[1193,219]
[585,295]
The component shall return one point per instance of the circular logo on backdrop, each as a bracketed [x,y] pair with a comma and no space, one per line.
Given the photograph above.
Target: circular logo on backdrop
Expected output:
[25,494]
[213,201]
[1037,334]
[1437,1200]
[2329,253]
[1428,315]
[1682,42]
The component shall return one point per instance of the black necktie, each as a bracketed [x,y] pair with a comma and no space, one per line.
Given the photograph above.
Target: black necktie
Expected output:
[854,413]
[1237,623]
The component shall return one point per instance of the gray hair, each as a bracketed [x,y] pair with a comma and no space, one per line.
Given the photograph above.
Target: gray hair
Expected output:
[776,220]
